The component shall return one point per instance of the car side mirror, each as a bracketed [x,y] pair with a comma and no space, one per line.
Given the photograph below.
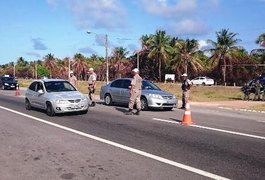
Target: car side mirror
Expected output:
[40,91]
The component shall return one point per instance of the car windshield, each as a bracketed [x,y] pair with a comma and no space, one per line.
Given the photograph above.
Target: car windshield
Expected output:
[8,79]
[149,86]
[58,86]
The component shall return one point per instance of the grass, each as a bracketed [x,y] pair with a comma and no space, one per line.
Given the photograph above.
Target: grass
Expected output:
[205,93]
[197,93]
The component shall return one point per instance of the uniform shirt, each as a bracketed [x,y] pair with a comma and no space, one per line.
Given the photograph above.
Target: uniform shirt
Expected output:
[73,80]
[186,85]
[92,78]
[136,82]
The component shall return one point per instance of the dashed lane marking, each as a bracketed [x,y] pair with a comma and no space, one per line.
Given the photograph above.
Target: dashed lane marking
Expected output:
[215,129]
[136,151]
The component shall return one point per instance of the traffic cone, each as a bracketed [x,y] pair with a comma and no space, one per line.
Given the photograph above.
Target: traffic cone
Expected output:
[186,120]
[17,91]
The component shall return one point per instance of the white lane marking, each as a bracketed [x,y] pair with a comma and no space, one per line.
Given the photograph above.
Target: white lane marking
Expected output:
[164,120]
[261,121]
[215,129]
[136,151]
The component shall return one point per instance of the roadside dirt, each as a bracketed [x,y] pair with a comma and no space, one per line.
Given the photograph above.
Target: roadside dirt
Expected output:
[238,104]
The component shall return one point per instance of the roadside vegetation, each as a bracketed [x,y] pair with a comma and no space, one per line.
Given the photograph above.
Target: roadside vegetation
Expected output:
[223,60]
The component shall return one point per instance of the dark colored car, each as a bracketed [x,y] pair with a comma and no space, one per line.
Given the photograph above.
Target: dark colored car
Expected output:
[7,82]
[250,87]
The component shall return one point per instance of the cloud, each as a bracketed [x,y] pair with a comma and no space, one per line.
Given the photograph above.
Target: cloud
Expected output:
[87,50]
[34,54]
[52,2]
[98,14]
[132,48]
[188,27]
[38,44]
[181,16]
[169,8]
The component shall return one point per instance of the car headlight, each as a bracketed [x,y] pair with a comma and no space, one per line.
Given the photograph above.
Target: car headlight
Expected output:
[174,97]
[156,96]
[59,101]
[6,84]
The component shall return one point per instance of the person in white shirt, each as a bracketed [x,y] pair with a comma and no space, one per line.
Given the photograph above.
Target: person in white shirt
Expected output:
[92,85]
[186,85]
[73,79]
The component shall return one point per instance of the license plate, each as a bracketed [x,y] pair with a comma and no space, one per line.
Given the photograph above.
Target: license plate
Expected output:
[76,107]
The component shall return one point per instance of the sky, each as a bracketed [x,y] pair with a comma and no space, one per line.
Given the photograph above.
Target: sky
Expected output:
[34,28]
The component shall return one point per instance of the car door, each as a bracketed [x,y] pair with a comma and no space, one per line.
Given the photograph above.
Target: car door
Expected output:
[115,90]
[31,94]
[40,97]
[125,91]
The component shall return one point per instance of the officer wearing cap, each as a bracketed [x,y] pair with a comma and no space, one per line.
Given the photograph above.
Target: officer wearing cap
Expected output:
[73,79]
[186,84]
[135,92]
[92,85]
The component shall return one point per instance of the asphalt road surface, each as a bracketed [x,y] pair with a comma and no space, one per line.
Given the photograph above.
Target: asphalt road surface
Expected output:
[107,144]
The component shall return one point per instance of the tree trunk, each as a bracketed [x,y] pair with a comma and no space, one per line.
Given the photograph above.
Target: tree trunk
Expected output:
[159,68]
[186,66]
[222,58]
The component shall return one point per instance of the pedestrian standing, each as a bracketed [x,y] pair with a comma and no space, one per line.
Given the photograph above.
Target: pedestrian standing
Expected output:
[135,92]
[73,79]
[263,95]
[186,85]
[92,86]
[257,92]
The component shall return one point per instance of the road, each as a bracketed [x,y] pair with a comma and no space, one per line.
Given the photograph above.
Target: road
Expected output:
[107,144]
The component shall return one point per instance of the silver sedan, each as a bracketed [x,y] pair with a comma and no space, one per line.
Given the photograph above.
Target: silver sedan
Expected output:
[55,96]
[152,96]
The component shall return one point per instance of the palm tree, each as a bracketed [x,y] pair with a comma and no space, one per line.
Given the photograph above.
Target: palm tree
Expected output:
[118,55]
[261,40]
[186,55]
[221,49]
[50,63]
[79,65]
[160,49]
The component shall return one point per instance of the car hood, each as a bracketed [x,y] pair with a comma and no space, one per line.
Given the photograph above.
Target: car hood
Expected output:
[67,95]
[159,92]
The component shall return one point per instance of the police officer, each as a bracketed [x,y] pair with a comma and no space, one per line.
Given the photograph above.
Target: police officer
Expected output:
[92,85]
[135,92]
[263,95]
[258,88]
[73,79]
[186,84]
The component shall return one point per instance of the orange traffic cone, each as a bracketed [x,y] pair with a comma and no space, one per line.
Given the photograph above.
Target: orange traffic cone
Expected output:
[17,91]
[186,120]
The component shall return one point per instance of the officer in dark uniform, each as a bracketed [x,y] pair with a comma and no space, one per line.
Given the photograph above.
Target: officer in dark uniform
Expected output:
[186,84]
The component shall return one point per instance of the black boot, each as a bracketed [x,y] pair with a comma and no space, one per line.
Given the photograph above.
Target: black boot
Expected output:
[129,112]
[137,112]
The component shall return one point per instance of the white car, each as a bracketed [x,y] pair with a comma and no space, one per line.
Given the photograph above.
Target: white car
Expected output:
[55,96]
[203,80]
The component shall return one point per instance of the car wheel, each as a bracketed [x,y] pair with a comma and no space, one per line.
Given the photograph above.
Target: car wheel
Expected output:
[144,104]
[108,100]
[84,112]
[28,105]
[49,109]
[203,83]
[168,108]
